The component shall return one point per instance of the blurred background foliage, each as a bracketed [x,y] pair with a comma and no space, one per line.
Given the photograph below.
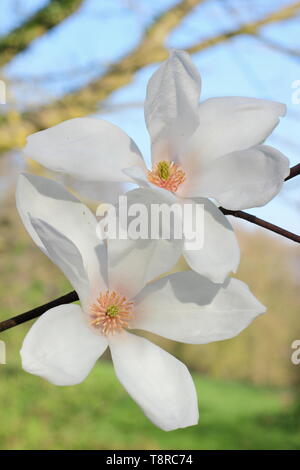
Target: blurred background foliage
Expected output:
[248,388]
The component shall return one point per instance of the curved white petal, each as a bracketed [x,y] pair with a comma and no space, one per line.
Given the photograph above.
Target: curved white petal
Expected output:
[189,308]
[245,179]
[138,175]
[171,106]
[100,191]
[87,148]
[219,253]
[133,262]
[48,200]
[160,384]
[229,124]
[60,347]
[62,251]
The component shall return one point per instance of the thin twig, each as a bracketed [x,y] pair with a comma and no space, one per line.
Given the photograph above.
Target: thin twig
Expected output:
[36,312]
[72,296]
[291,51]
[262,223]
[294,171]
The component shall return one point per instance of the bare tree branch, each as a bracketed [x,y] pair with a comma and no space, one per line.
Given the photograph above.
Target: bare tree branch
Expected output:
[37,25]
[262,223]
[14,127]
[72,296]
[149,50]
[36,312]
[295,53]
[294,171]
[250,28]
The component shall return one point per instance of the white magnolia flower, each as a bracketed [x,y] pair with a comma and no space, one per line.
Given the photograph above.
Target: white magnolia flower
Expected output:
[212,150]
[64,343]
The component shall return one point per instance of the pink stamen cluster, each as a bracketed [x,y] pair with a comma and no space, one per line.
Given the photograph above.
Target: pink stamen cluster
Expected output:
[110,313]
[167,175]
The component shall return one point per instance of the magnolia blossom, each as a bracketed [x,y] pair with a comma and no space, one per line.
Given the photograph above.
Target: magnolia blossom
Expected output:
[199,152]
[64,343]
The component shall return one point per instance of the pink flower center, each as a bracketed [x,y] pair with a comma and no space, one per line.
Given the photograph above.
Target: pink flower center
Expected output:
[110,313]
[167,175]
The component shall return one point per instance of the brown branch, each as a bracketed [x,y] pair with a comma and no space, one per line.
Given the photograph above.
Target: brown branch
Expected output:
[36,312]
[262,223]
[15,127]
[294,171]
[38,24]
[72,296]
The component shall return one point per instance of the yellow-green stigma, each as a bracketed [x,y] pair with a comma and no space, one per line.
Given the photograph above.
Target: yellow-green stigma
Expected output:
[163,170]
[112,310]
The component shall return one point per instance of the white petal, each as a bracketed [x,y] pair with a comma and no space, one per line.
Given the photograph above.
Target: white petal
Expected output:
[48,200]
[134,262]
[62,251]
[232,123]
[90,149]
[160,384]
[60,347]
[139,176]
[245,179]
[220,253]
[189,308]
[171,106]
[100,191]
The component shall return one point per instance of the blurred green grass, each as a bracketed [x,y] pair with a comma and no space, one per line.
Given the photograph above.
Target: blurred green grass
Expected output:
[98,414]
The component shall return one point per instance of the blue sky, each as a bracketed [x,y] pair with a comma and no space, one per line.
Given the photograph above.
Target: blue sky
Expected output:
[103,30]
